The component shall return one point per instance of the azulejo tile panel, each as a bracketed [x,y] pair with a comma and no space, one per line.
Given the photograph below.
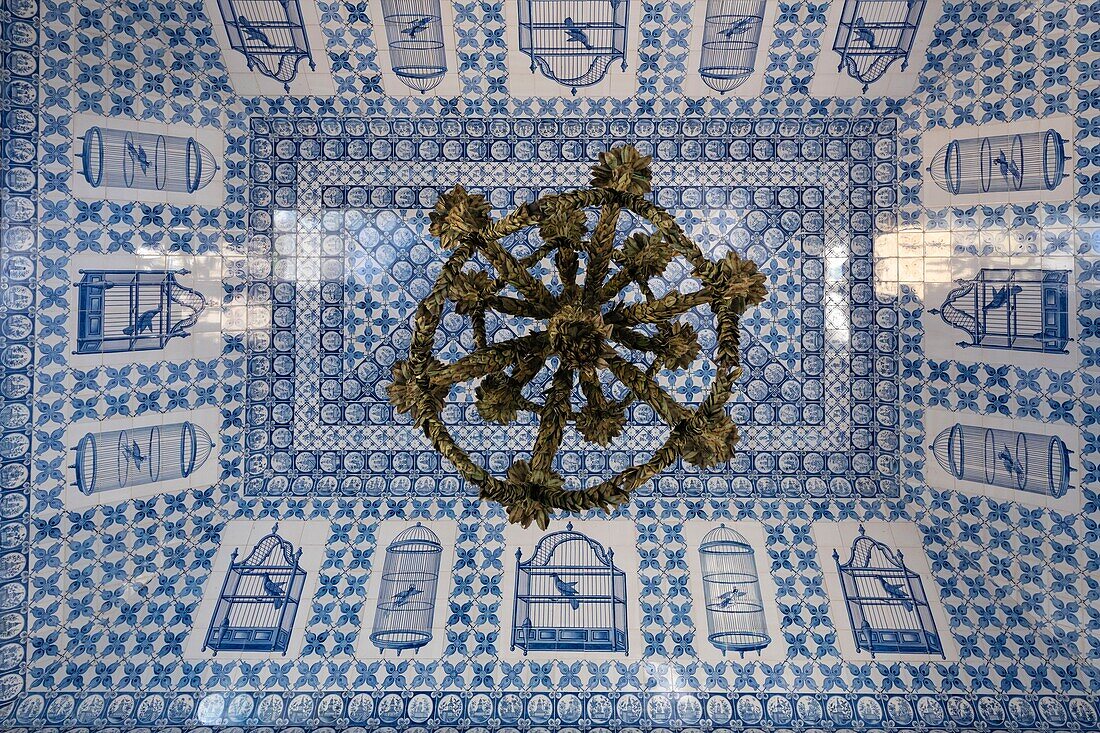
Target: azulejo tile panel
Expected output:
[338,220]
[101,604]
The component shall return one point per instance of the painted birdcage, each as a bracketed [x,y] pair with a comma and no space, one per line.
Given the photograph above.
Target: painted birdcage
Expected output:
[406,594]
[133,310]
[271,34]
[887,606]
[873,34]
[120,459]
[573,42]
[569,596]
[1021,310]
[731,589]
[259,599]
[1032,161]
[414,31]
[145,160]
[1037,464]
[731,38]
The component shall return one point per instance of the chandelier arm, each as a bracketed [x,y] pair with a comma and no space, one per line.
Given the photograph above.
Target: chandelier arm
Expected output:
[553,419]
[599,252]
[538,254]
[632,339]
[481,337]
[509,269]
[633,477]
[645,388]
[517,307]
[616,283]
[437,433]
[568,265]
[664,308]
[668,226]
[514,221]
[494,358]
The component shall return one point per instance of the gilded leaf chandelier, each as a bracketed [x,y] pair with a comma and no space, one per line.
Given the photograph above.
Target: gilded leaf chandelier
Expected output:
[601,306]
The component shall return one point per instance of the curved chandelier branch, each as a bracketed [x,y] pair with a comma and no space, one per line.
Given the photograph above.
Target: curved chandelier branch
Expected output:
[582,331]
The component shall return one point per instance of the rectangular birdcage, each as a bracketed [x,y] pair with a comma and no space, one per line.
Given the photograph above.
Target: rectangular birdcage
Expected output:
[873,34]
[1021,310]
[271,34]
[887,605]
[569,596]
[133,310]
[259,599]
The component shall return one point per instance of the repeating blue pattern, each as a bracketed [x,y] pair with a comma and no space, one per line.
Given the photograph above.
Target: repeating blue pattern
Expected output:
[97,603]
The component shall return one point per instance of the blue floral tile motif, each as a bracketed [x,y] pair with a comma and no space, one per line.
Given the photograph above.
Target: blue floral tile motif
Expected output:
[318,222]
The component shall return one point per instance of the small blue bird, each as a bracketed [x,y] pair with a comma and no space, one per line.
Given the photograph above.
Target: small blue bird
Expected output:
[403,597]
[1011,464]
[134,451]
[575,34]
[864,33]
[274,590]
[417,26]
[1000,296]
[726,599]
[569,590]
[1009,170]
[736,28]
[143,323]
[139,156]
[252,32]
[896,591]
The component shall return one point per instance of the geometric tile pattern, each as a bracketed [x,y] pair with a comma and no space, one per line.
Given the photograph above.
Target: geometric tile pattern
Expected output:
[97,604]
[805,194]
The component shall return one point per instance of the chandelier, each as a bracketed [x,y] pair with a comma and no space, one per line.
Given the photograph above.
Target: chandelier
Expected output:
[597,322]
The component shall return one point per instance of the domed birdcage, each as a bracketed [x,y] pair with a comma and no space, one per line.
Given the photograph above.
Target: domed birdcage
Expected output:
[259,599]
[406,594]
[1012,459]
[1030,161]
[731,39]
[144,160]
[414,32]
[887,606]
[731,589]
[120,459]
[569,596]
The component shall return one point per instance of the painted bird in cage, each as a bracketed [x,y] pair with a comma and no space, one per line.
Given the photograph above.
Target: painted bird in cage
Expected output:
[726,599]
[134,452]
[1009,170]
[274,590]
[403,597]
[736,28]
[139,156]
[864,33]
[417,26]
[1000,296]
[252,32]
[143,323]
[896,591]
[569,590]
[1011,464]
[575,34]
